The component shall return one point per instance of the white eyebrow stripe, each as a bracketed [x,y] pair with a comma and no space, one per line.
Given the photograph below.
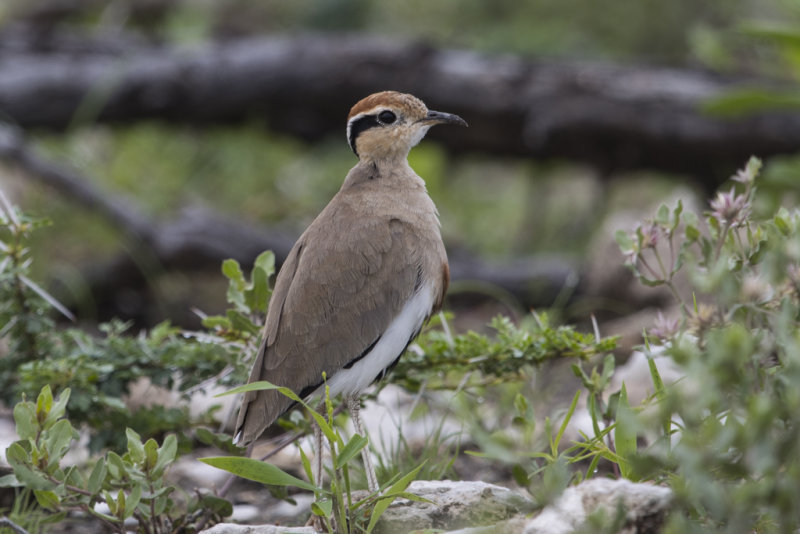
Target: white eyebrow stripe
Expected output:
[363,114]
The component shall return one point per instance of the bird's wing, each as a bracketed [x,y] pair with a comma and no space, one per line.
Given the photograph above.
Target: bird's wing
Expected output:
[333,299]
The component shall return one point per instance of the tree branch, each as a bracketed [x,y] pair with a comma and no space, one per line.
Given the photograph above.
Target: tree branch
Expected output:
[609,116]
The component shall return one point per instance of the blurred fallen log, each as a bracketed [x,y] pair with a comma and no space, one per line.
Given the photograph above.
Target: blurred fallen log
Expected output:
[612,117]
[199,239]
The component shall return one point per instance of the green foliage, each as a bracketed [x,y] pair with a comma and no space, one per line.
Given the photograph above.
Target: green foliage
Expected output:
[130,486]
[726,437]
[443,360]
[334,505]
[249,299]
[22,309]
[99,370]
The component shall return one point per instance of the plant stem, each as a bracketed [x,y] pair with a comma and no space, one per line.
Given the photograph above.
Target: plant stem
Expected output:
[6,522]
[721,240]
[27,338]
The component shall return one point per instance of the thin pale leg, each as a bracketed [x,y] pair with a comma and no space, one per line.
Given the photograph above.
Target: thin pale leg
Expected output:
[315,521]
[316,471]
[354,405]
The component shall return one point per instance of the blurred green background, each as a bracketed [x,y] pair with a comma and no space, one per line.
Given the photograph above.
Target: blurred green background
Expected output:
[497,208]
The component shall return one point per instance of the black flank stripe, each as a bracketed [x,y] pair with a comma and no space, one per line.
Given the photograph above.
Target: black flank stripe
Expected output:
[364,123]
[352,362]
[392,365]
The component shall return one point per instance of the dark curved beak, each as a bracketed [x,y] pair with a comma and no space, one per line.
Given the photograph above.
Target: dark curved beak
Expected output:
[437,117]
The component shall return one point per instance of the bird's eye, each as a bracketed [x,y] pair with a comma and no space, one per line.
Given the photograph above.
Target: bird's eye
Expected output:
[386,117]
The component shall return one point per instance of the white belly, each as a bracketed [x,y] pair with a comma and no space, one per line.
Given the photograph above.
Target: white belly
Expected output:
[354,380]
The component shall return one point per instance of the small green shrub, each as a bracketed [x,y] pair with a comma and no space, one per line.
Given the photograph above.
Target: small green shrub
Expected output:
[130,486]
[727,437]
[99,369]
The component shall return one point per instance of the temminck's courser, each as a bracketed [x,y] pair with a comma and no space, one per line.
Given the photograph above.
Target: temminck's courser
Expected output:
[362,279]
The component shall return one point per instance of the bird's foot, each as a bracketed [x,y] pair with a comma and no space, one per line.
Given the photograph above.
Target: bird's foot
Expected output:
[316,523]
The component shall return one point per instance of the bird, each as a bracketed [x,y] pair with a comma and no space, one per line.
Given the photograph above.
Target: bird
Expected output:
[361,281]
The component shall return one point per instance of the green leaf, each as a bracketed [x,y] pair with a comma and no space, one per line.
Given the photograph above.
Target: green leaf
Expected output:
[216,505]
[391,494]
[257,297]
[161,505]
[32,479]
[566,420]
[520,475]
[241,322]
[257,471]
[624,433]
[322,508]
[411,497]
[306,465]
[523,407]
[43,403]
[72,476]
[58,409]
[353,447]
[112,504]
[235,295]
[265,262]
[58,440]
[264,385]
[660,392]
[166,454]
[120,503]
[624,240]
[217,321]
[782,221]
[116,467]
[135,447]
[662,215]
[47,499]
[97,477]
[132,501]
[233,272]
[26,423]
[252,386]
[259,291]
[676,215]
[16,454]
[150,454]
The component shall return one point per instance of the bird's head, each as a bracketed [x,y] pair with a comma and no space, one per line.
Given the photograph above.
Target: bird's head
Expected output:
[386,125]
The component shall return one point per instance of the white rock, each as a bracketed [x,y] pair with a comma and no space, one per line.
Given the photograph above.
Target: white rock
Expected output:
[455,505]
[230,528]
[645,505]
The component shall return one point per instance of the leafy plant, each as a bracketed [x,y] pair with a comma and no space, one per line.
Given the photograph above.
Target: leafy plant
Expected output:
[99,370]
[726,437]
[443,360]
[335,505]
[118,488]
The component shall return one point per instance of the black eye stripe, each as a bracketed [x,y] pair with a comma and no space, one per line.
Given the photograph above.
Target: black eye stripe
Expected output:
[359,125]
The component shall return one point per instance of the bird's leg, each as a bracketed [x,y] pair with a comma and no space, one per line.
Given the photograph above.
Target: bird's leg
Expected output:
[315,521]
[354,405]
[316,471]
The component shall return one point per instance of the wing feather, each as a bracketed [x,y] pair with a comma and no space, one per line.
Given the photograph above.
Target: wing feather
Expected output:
[333,298]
